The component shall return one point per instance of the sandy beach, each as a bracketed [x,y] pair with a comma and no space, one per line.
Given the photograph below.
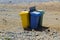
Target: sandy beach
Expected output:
[10,20]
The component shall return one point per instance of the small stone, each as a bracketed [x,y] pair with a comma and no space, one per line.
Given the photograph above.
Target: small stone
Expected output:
[56,18]
[48,30]
[37,35]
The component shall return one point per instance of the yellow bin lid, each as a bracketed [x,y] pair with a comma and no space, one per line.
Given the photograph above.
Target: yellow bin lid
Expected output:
[24,12]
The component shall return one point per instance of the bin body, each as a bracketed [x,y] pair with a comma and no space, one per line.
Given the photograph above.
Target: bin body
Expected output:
[34,19]
[41,17]
[25,18]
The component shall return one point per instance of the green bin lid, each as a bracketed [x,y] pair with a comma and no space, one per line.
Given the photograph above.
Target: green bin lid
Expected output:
[41,11]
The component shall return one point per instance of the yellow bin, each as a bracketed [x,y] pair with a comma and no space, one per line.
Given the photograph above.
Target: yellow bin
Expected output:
[25,18]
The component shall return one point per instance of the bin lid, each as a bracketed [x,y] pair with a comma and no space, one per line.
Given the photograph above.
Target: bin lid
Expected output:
[36,13]
[24,12]
[41,11]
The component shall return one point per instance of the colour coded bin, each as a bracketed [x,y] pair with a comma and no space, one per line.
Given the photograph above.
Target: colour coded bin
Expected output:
[34,19]
[25,18]
[41,17]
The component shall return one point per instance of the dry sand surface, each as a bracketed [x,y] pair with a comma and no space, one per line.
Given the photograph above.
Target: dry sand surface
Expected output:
[9,18]
[11,22]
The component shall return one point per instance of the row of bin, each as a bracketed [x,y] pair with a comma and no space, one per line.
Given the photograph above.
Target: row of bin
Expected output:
[32,19]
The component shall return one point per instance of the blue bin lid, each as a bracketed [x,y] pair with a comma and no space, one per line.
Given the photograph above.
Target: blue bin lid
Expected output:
[36,13]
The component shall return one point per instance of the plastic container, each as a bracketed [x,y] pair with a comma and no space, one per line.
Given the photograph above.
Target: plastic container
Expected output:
[25,18]
[41,17]
[34,19]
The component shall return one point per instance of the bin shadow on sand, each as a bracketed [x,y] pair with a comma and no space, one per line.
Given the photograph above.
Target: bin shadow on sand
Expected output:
[41,28]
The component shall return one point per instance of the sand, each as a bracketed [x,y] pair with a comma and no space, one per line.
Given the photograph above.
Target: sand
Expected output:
[10,20]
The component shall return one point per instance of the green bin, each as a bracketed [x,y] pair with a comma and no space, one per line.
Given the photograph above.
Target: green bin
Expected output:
[41,18]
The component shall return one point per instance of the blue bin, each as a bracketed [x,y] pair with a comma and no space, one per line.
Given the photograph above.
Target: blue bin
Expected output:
[34,19]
